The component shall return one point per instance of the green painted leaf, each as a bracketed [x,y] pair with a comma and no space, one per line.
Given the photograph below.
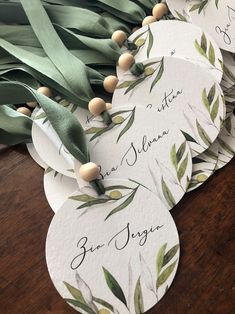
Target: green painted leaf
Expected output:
[160,257]
[80,305]
[93,130]
[170,254]
[212,54]
[199,49]
[216,3]
[134,84]
[203,135]
[140,42]
[48,170]
[204,42]
[215,110]
[82,198]
[228,125]
[189,138]
[103,131]
[180,16]
[211,154]
[226,147]
[174,157]
[103,303]
[159,75]
[114,286]
[125,84]
[195,7]
[75,293]
[181,151]
[182,168]
[167,194]
[123,205]
[203,4]
[205,100]
[228,73]
[128,125]
[94,202]
[211,94]
[117,187]
[165,274]
[138,298]
[150,41]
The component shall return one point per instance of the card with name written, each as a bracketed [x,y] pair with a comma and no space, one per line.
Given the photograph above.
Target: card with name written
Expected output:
[48,144]
[204,166]
[139,146]
[179,39]
[179,9]
[217,17]
[57,188]
[179,92]
[115,253]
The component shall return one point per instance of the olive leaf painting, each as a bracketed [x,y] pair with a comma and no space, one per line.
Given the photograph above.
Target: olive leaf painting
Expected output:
[201,5]
[179,160]
[211,102]
[119,118]
[140,41]
[180,16]
[119,195]
[149,73]
[205,49]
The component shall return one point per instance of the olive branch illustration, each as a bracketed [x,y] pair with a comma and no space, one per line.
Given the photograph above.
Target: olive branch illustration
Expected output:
[140,42]
[201,5]
[206,49]
[83,298]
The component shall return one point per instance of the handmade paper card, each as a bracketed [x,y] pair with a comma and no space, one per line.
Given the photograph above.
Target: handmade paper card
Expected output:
[178,92]
[58,188]
[49,146]
[228,82]
[217,17]
[204,166]
[179,9]
[114,254]
[33,153]
[139,146]
[179,39]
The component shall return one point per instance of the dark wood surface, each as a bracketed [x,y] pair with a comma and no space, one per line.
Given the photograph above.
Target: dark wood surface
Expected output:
[205,282]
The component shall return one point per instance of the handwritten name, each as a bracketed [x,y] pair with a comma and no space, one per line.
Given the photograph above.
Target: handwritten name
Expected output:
[224,30]
[131,156]
[118,242]
[168,100]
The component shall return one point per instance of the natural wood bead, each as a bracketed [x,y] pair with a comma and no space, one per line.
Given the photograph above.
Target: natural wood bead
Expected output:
[89,172]
[24,111]
[119,37]
[148,20]
[159,10]
[45,91]
[135,29]
[109,106]
[126,61]
[110,83]
[32,104]
[96,106]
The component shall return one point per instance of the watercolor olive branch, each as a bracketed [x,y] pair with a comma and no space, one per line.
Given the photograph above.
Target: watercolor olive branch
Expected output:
[178,161]
[211,102]
[140,42]
[112,194]
[117,120]
[181,17]
[148,73]
[206,49]
[201,5]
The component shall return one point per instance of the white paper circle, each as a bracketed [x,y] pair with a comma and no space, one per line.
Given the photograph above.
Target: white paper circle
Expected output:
[119,269]
[144,149]
[33,153]
[49,146]
[178,39]
[177,91]
[57,188]
[217,18]
[204,166]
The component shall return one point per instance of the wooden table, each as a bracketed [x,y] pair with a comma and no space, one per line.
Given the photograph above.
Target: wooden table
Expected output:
[205,282]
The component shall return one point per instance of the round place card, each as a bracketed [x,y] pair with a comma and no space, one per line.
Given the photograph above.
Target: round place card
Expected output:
[115,253]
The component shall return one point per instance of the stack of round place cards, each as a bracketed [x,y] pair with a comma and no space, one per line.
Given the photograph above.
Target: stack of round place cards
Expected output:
[217,17]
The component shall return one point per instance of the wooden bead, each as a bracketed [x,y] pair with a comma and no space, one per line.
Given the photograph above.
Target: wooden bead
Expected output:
[159,10]
[126,61]
[109,106]
[24,111]
[89,172]
[135,29]
[45,91]
[119,37]
[32,104]
[96,106]
[148,20]
[110,83]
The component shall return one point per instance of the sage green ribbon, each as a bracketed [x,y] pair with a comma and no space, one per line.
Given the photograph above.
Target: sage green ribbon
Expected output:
[62,120]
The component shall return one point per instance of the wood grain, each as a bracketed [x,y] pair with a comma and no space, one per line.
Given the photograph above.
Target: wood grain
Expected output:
[205,282]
